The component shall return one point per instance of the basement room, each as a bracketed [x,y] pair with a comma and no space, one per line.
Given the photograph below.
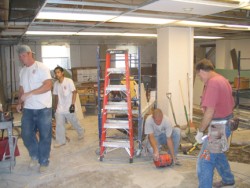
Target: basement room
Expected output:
[125,93]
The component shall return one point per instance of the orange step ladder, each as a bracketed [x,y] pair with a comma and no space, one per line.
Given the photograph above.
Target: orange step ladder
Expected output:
[113,107]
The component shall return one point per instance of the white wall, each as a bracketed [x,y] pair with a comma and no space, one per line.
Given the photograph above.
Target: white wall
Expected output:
[224,60]
[223,57]
[83,53]
[148,53]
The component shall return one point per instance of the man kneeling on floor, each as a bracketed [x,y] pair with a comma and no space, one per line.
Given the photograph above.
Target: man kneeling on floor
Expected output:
[159,130]
[65,97]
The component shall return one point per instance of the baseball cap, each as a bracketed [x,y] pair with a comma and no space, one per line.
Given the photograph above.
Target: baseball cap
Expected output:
[23,49]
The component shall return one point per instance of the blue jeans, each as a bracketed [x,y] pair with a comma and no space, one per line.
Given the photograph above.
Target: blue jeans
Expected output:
[40,121]
[205,166]
[176,136]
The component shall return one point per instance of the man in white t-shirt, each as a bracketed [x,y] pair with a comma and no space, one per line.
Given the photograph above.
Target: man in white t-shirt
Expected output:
[65,98]
[35,102]
[160,131]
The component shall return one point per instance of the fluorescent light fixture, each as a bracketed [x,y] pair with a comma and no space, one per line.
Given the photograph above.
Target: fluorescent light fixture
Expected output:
[207,37]
[98,33]
[117,34]
[74,16]
[208,2]
[200,24]
[49,33]
[101,17]
[244,27]
[89,33]
[139,35]
[141,20]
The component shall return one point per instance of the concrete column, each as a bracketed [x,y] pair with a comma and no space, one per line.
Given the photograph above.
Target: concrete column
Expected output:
[175,65]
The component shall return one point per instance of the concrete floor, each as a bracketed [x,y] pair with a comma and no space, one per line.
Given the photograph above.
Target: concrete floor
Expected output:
[76,165]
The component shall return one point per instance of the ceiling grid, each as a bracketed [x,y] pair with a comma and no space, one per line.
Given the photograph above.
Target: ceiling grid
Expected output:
[223,18]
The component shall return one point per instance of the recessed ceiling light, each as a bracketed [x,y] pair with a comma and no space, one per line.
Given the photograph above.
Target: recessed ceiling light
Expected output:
[142,20]
[101,17]
[207,37]
[200,24]
[207,2]
[89,33]
[49,33]
[74,16]
[139,35]
[239,26]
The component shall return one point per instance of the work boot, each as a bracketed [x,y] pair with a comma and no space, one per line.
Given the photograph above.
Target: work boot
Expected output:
[33,163]
[80,136]
[221,184]
[177,162]
[57,145]
[43,169]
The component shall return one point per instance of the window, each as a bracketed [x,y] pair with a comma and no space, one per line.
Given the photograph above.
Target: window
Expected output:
[54,56]
[132,57]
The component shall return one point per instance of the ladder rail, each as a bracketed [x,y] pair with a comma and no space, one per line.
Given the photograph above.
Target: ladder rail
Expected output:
[129,106]
[105,101]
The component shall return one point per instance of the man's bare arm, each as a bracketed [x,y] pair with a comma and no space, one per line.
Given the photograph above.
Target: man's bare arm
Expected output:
[207,118]
[47,85]
[153,144]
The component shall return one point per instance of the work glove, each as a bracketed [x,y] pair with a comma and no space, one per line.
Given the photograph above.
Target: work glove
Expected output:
[156,156]
[72,108]
[199,136]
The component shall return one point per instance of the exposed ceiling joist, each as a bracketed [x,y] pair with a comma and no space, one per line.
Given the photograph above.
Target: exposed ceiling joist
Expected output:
[22,16]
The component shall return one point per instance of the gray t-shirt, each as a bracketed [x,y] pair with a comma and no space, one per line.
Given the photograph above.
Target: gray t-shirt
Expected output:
[164,127]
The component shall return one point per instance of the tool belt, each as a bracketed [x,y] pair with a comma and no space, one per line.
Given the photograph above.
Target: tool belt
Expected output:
[217,140]
[233,123]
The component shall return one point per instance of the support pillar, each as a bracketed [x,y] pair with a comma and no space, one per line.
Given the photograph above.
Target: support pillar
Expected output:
[175,64]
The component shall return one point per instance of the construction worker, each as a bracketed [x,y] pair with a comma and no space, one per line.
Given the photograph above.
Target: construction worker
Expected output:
[65,97]
[217,103]
[35,102]
[159,130]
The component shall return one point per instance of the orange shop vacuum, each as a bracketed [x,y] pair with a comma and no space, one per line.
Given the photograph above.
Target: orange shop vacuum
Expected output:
[163,161]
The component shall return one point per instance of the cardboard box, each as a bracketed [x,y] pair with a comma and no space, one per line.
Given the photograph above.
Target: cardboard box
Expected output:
[87,99]
[244,83]
[84,75]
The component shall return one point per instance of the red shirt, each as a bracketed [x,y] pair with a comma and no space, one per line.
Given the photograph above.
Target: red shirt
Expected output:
[217,94]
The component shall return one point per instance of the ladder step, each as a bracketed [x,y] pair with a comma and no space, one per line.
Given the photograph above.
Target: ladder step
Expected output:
[116,88]
[116,144]
[116,106]
[116,124]
[116,70]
